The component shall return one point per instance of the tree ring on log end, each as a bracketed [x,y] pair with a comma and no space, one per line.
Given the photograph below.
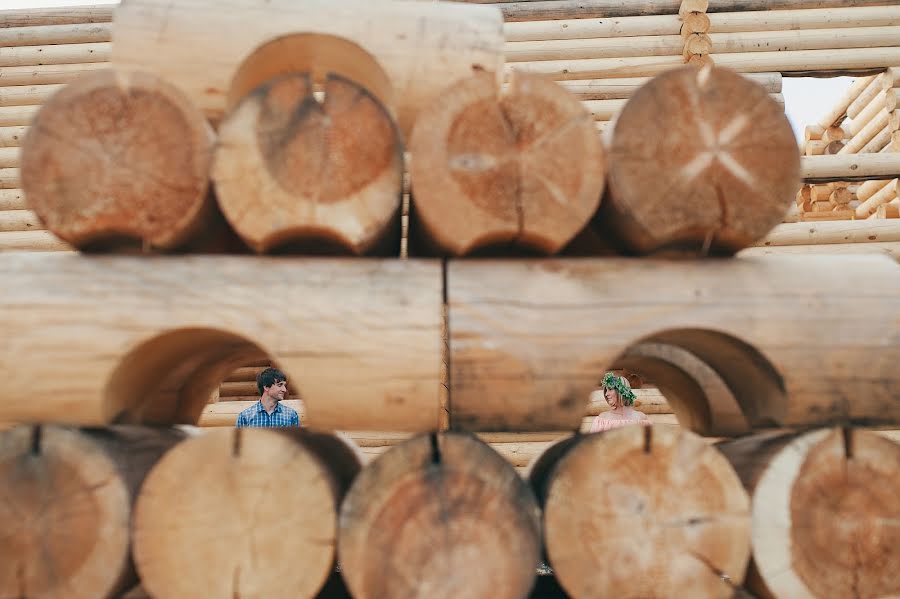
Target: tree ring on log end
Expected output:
[646,512]
[66,512]
[437,517]
[703,161]
[290,168]
[247,512]
[119,155]
[524,166]
[825,516]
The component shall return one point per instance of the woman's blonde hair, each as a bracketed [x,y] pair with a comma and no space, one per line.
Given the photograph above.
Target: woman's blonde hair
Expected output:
[620,385]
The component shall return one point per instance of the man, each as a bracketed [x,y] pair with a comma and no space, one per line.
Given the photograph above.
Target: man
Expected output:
[269,412]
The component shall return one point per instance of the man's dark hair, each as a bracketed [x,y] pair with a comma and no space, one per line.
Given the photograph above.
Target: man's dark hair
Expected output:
[269,377]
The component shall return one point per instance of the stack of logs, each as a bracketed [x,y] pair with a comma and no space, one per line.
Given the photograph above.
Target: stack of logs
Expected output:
[272,140]
[864,121]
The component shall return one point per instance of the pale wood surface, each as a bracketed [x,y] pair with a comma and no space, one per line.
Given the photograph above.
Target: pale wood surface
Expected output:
[32,241]
[27,95]
[773,20]
[257,520]
[39,35]
[523,168]
[665,498]
[831,232]
[67,504]
[842,167]
[333,326]
[813,533]
[422,46]
[614,88]
[432,508]
[33,17]
[12,136]
[888,248]
[45,74]
[145,174]
[333,172]
[21,56]
[714,190]
[529,339]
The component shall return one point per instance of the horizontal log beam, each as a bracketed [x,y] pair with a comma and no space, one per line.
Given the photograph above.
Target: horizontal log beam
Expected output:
[522,359]
[19,220]
[12,199]
[9,157]
[854,231]
[40,35]
[32,241]
[9,177]
[799,61]
[724,43]
[32,17]
[615,88]
[729,22]
[45,74]
[887,248]
[17,116]
[356,374]
[27,95]
[21,56]
[849,167]
[12,136]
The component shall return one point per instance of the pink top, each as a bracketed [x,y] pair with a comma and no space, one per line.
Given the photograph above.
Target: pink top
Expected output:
[605,424]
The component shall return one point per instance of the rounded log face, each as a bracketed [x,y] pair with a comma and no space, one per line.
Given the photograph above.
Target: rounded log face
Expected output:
[65,514]
[289,168]
[248,512]
[825,513]
[118,155]
[439,517]
[646,512]
[701,160]
[523,167]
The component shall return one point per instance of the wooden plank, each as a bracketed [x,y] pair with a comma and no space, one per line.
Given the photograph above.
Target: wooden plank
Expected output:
[523,357]
[41,35]
[843,232]
[33,17]
[21,56]
[841,167]
[47,74]
[27,95]
[360,362]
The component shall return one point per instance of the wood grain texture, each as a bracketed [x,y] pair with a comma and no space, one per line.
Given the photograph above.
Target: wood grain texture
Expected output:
[661,502]
[257,520]
[169,331]
[843,167]
[824,512]
[726,168]
[290,169]
[530,339]
[67,505]
[34,17]
[449,38]
[432,508]
[119,155]
[521,168]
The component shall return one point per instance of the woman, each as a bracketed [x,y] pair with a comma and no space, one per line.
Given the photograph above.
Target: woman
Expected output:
[620,398]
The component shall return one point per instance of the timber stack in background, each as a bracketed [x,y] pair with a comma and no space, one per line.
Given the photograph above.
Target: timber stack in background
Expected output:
[447,400]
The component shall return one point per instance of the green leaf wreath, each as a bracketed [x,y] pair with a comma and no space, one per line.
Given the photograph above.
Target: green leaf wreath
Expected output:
[611,381]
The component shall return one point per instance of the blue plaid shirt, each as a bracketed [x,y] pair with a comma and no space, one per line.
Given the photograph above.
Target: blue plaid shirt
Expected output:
[257,416]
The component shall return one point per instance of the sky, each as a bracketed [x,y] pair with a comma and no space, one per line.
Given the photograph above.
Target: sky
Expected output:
[806,99]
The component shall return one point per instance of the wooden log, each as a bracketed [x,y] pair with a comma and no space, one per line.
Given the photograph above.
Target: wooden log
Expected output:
[67,504]
[885,100]
[821,207]
[19,220]
[868,188]
[331,172]
[17,116]
[12,199]
[834,133]
[522,359]
[523,168]
[10,178]
[812,534]
[27,95]
[694,22]
[888,248]
[451,38]
[616,88]
[790,61]
[819,193]
[23,56]
[33,17]
[688,6]
[883,196]
[47,74]
[138,359]
[208,533]
[530,10]
[41,35]
[890,210]
[727,22]
[840,196]
[152,187]
[837,112]
[663,495]
[9,157]
[12,136]
[713,166]
[444,494]
[701,43]
[32,241]
[843,167]
[881,140]
[236,389]
[246,373]
[852,232]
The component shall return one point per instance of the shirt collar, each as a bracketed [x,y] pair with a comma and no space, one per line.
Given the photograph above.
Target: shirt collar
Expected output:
[261,408]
